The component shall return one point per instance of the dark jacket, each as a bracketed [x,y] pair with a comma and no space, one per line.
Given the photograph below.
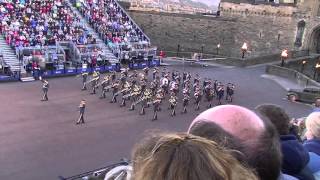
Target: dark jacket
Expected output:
[313,146]
[295,157]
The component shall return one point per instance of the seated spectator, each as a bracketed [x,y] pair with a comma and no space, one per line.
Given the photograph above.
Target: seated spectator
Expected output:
[295,157]
[241,129]
[312,144]
[185,157]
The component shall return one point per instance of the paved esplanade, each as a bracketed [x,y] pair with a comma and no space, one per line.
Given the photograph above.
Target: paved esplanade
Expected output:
[39,140]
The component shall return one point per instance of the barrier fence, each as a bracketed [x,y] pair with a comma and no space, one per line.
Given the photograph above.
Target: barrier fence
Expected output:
[78,70]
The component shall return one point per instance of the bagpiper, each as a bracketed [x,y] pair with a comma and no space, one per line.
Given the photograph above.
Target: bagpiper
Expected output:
[197,97]
[185,101]
[173,100]
[45,89]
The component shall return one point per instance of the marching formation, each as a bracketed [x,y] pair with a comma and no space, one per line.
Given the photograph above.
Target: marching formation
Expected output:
[151,89]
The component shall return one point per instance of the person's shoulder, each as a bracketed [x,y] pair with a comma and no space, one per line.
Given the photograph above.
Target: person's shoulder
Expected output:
[286,177]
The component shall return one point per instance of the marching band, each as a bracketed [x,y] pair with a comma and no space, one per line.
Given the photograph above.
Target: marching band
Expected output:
[136,88]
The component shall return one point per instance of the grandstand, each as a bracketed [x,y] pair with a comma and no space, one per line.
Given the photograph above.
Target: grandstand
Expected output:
[53,35]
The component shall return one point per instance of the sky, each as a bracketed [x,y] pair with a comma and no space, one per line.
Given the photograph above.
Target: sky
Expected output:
[209,2]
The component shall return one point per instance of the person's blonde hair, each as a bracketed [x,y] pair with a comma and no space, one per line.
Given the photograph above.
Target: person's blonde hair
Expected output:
[313,124]
[185,157]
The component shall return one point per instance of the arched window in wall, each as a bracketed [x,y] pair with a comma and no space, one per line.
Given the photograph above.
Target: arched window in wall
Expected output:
[300,32]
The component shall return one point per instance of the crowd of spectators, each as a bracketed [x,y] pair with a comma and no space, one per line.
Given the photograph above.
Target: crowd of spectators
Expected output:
[40,23]
[112,23]
[230,142]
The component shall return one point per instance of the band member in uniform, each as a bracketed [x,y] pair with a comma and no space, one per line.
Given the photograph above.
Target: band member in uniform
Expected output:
[84,80]
[196,85]
[146,96]
[135,94]
[185,101]
[189,76]
[45,89]
[156,107]
[143,84]
[230,92]
[165,84]
[163,72]
[154,73]
[104,84]
[173,100]
[146,71]
[115,88]
[94,81]
[125,72]
[82,108]
[113,76]
[126,89]
[153,87]
[184,76]
[198,97]
[215,87]
[174,88]
[196,79]
[209,92]
[220,93]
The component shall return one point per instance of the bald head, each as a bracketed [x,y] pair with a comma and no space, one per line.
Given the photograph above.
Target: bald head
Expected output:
[241,129]
[236,120]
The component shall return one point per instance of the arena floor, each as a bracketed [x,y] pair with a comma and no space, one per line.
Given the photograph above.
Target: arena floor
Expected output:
[40,141]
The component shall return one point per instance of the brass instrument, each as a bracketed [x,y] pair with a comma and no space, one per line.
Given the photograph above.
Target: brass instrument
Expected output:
[173,100]
[106,79]
[122,91]
[82,74]
[93,79]
[146,95]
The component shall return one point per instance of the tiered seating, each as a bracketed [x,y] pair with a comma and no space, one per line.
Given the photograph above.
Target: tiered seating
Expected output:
[41,23]
[112,24]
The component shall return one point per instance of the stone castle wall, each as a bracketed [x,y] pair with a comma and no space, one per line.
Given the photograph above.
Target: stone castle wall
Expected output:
[266,29]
